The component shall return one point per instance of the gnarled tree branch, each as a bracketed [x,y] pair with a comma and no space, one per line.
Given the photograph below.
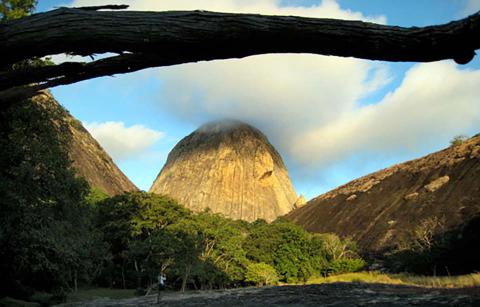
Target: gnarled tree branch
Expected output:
[104,7]
[150,39]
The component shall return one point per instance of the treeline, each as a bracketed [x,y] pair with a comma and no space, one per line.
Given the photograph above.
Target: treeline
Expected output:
[46,230]
[147,234]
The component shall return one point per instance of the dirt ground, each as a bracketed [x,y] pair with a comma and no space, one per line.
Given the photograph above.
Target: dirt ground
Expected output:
[335,294]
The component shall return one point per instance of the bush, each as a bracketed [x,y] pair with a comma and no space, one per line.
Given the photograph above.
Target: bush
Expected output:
[345,265]
[261,274]
[458,140]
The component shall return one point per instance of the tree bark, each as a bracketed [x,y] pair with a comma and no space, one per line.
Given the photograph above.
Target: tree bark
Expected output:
[185,277]
[151,39]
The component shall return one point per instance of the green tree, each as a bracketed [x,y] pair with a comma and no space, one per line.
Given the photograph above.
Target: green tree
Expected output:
[261,274]
[188,251]
[95,196]
[134,225]
[42,223]
[14,9]
[261,242]
[458,140]
[45,231]
[222,254]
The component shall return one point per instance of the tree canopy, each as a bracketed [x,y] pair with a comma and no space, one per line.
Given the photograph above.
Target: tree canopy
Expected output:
[13,9]
[148,234]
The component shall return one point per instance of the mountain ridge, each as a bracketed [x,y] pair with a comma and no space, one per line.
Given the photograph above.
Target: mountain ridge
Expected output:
[378,209]
[88,157]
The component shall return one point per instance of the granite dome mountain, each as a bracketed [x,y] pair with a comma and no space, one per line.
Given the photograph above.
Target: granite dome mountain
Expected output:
[378,210]
[230,168]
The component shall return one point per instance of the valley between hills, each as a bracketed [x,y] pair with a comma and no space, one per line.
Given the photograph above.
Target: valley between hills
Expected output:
[223,214]
[329,81]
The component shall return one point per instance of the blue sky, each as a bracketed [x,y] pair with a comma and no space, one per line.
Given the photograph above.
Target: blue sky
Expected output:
[332,119]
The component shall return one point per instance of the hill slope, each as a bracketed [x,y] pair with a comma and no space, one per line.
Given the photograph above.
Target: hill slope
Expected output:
[88,157]
[377,210]
[231,168]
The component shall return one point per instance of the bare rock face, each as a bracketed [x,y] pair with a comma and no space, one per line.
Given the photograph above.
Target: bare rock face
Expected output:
[230,168]
[88,157]
[379,209]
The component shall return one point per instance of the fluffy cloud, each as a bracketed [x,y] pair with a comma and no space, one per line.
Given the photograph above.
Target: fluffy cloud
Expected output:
[434,102]
[325,8]
[123,142]
[308,105]
[282,94]
[472,6]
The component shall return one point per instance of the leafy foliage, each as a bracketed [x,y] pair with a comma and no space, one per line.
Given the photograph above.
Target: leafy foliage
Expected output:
[458,140]
[150,234]
[261,274]
[45,230]
[14,9]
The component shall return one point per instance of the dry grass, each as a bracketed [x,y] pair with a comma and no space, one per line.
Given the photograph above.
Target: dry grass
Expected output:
[462,281]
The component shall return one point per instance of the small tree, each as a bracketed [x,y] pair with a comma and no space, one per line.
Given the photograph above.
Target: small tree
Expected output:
[261,274]
[458,140]
[13,9]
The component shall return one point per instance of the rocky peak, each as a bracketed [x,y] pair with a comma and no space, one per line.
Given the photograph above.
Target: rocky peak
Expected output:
[88,157]
[379,209]
[231,168]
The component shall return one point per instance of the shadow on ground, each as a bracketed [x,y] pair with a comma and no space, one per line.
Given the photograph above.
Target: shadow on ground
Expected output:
[335,294]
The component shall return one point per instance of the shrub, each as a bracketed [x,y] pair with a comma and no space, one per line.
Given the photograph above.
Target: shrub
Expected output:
[261,274]
[458,140]
[345,265]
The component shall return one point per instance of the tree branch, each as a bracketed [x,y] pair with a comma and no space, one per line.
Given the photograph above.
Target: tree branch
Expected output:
[71,72]
[84,32]
[104,7]
[150,39]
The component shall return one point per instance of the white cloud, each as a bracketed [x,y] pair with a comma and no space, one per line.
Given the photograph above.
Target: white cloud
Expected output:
[435,101]
[325,8]
[62,57]
[284,93]
[123,142]
[309,105]
[471,6]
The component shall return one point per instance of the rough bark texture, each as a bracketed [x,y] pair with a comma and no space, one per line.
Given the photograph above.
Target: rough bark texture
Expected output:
[231,168]
[168,38]
[88,157]
[377,210]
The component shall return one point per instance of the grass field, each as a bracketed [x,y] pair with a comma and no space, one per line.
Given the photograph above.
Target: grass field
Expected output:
[470,280]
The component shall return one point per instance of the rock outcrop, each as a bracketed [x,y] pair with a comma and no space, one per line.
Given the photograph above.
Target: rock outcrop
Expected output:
[377,210]
[231,168]
[88,157]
